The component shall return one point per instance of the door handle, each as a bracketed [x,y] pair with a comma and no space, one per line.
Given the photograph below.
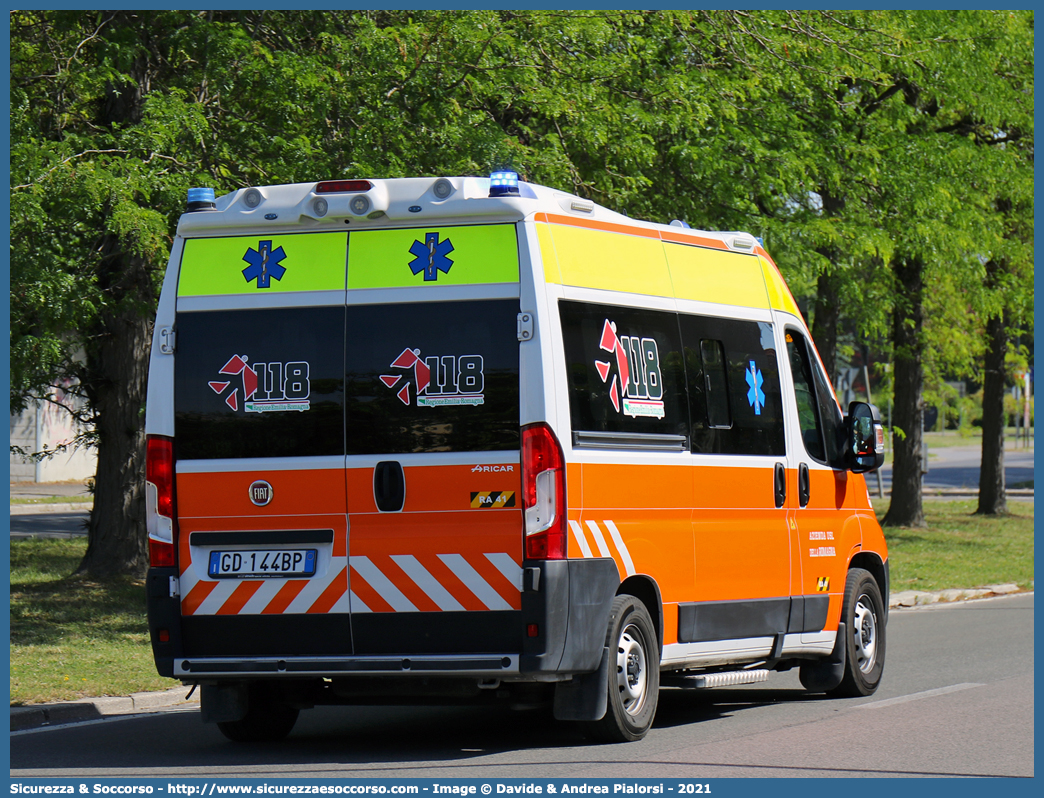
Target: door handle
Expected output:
[780,485]
[804,486]
[389,486]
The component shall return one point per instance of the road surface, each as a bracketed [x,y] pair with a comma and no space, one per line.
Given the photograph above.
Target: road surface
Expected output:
[956,700]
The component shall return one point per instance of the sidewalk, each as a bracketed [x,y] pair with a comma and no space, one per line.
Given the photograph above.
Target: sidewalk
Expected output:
[31,495]
[61,712]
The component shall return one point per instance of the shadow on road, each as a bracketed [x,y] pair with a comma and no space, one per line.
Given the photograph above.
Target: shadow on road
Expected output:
[383,740]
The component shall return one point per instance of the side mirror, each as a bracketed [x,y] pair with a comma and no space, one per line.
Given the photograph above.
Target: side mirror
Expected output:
[864,438]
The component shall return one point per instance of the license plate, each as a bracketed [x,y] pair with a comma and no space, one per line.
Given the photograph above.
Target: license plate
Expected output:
[262,563]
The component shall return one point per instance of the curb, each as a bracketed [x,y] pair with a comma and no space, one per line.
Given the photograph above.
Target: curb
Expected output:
[40,509]
[917,598]
[38,715]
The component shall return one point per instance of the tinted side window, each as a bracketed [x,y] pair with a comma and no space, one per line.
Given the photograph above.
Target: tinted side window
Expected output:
[624,369]
[715,384]
[750,384]
[804,394]
[259,383]
[822,427]
[432,377]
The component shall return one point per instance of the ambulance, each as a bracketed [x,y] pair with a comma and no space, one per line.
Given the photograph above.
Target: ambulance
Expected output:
[470,439]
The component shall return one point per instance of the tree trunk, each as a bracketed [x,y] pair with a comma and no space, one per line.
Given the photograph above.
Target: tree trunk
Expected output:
[992,497]
[118,361]
[117,368]
[825,321]
[906,507]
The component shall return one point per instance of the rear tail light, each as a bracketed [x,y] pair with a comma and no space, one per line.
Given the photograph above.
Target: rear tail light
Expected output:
[544,493]
[159,501]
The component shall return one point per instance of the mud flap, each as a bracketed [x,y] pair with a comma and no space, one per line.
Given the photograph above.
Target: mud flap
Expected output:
[221,703]
[826,675]
[585,697]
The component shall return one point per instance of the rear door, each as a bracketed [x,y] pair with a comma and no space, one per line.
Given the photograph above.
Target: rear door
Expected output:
[432,478]
[259,441]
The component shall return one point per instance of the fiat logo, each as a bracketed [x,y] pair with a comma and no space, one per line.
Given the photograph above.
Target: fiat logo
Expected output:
[260,493]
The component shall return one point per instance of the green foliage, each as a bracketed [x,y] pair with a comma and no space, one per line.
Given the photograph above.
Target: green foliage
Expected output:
[849,140]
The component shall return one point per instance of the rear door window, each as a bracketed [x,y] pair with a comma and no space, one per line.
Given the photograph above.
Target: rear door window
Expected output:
[432,377]
[259,383]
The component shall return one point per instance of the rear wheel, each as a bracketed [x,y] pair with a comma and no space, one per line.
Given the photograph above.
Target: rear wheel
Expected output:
[634,674]
[864,617]
[268,718]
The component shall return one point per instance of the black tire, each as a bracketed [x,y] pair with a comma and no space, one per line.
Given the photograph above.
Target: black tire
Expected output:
[863,613]
[268,718]
[634,674]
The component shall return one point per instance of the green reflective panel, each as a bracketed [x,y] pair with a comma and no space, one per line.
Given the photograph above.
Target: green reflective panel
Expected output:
[433,256]
[263,264]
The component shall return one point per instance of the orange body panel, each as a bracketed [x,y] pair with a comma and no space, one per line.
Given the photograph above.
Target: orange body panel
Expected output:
[439,552]
[641,516]
[828,532]
[301,500]
[225,494]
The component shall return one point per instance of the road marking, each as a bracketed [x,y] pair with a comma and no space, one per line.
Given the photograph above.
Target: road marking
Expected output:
[139,715]
[953,688]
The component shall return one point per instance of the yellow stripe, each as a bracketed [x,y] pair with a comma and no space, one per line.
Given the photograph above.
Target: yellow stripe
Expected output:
[712,275]
[779,295]
[610,261]
[552,273]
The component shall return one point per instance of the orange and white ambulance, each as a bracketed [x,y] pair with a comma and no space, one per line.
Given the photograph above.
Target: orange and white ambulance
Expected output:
[470,439]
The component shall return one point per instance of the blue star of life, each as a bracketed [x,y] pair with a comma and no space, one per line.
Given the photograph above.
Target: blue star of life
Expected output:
[264,264]
[755,396]
[430,257]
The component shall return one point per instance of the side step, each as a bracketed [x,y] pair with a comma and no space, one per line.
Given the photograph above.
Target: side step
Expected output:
[704,680]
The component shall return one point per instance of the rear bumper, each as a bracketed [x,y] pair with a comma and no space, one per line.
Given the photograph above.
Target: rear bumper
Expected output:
[565,602]
[489,666]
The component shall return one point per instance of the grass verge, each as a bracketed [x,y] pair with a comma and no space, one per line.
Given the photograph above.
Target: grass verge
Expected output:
[55,500]
[70,637]
[959,549]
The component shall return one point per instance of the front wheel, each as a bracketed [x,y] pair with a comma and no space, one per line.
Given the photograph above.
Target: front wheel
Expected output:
[863,613]
[634,674]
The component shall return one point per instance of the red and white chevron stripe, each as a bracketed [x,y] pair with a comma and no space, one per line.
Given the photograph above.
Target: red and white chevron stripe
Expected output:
[389,583]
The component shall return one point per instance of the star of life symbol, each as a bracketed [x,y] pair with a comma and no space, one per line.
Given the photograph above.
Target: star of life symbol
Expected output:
[640,390]
[439,381]
[430,257]
[267,387]
[264,264]
[755,396]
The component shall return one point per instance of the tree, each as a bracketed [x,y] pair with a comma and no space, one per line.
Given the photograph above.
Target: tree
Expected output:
[842,138]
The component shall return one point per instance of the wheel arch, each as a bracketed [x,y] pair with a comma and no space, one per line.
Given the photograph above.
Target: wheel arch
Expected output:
[870,561]
[645,589]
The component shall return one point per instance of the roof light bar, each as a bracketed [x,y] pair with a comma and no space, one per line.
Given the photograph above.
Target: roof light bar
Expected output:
[338,186]
[503,184]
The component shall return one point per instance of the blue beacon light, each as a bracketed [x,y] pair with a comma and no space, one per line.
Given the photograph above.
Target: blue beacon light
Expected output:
[503,184]
[200,199]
